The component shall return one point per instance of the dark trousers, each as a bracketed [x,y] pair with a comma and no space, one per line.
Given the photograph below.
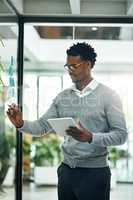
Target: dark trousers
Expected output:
[83,183]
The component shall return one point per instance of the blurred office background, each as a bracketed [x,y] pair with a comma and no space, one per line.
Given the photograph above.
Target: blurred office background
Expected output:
[44,77]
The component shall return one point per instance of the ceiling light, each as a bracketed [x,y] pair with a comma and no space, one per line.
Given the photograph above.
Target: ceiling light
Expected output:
[94,28]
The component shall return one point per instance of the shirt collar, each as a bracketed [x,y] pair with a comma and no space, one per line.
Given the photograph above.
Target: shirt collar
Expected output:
[91,86]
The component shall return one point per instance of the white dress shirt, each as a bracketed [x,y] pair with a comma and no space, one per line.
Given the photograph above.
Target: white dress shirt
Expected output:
[87,90]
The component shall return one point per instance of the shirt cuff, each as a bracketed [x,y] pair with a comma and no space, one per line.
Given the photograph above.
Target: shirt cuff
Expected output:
[22,127]
[97,139]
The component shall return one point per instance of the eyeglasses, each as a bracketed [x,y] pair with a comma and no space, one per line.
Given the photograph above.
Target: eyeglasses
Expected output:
[69,67]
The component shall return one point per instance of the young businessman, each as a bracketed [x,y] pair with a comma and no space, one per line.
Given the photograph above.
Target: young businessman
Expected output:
[84,173]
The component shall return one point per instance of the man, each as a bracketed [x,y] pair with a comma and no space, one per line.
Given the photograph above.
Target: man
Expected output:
[84,173]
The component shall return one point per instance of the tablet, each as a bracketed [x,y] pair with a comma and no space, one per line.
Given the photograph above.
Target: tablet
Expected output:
[61,124]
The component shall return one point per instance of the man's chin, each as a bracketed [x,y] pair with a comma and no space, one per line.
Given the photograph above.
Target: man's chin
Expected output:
[74,80]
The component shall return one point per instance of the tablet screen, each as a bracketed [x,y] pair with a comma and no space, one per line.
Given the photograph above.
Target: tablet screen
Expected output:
[61,124]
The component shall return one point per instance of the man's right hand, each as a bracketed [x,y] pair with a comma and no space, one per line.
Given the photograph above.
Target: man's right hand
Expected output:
[15,115]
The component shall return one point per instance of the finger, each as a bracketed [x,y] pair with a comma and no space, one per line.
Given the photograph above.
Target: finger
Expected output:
[68,131]
[11,107]
[17,109]
[79,125]
[75,136]
[72,132]
[8,113]
[73,128]
[14,107]
[11,111]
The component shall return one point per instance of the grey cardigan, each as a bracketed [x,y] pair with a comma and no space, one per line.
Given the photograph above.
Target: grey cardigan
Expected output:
[100,112]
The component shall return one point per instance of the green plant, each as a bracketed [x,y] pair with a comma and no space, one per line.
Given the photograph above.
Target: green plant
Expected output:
[5,149]
[26,146]
[123,153]
[48,152]
[11,138]
[113,156]
[4,157]
[27,139]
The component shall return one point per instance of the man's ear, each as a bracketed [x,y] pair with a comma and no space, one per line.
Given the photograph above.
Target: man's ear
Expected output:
[89,64]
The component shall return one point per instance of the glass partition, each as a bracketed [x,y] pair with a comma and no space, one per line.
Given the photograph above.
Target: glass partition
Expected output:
[44,77]
[123,160]
[49,87]
[5,9]
[8,95]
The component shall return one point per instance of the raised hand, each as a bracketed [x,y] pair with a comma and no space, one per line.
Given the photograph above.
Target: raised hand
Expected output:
[15,115]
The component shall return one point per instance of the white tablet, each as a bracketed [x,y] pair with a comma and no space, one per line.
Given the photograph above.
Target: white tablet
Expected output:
[61,124]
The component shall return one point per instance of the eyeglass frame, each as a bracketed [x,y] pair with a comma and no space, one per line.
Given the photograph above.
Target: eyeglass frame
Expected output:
[72,66]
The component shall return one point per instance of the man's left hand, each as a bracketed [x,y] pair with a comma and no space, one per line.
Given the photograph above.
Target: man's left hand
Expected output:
[79,133]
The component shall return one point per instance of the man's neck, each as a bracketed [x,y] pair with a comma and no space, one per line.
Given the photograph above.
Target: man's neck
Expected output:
[80,85]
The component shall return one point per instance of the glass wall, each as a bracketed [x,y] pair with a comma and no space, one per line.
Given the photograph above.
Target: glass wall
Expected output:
[51,87]
[8,95]
[122,84]
[44,77]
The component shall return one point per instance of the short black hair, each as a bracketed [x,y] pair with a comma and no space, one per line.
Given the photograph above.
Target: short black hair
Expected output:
[84,50]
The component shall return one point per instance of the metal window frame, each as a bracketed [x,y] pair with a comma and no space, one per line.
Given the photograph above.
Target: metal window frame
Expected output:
[21,20]
[9,19]
[77,19]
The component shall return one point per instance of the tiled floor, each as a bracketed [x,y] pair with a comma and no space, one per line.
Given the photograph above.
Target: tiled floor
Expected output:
[121,192]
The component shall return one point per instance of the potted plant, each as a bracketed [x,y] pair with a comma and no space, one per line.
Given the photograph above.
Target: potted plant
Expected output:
[4,159]
[113,157]
[27,140]
[46,159]
[11,142]
[8,144]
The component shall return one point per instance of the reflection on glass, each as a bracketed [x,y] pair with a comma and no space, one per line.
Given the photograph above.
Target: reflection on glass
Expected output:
[123,153]
[43,93]
[45,57]
[97,33]
[49,87]
[30,89]
[54,32]
[8,95]
[5,8]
